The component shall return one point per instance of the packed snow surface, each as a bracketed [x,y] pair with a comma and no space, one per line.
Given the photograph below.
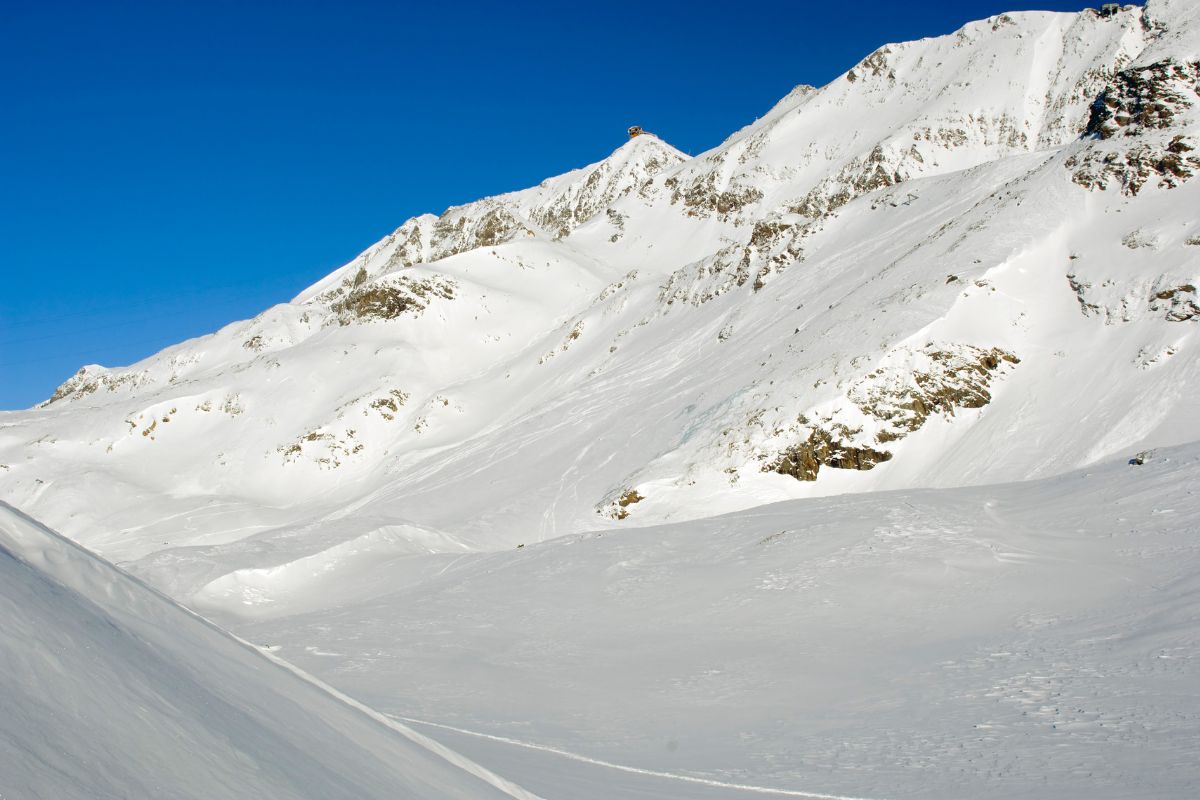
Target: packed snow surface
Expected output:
[110,690]
[1037,639]
[800,464]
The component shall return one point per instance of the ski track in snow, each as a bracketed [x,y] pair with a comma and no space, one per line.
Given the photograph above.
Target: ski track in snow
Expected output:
[742,787]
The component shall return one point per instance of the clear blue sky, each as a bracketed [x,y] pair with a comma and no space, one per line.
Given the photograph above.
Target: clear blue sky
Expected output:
[167,167]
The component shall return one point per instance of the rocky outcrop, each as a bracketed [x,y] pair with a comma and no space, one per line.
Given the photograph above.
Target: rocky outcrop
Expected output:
[323,448]
[1144,98]
[618,507]
[91,379]
[555,209]
[484,224]
[389,298]
[708,194]
[410,242]
[389,405]
[1132,168]
[945,379]
[1116,301]
[825,449]
[876,170]
[1177,303]
[605,183]
[1081,289]
[774,244]
[1132,124]
[629,498]
[897,399]
[875,66]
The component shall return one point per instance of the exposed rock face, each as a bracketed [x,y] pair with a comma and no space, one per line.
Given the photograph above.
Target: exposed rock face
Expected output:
[619,508]
[823,449]
[425,239]
[877,170]
[625,501]
[1080,288]
[716,186]
[1165,165]
[1144,98]
[604,184]
[465,228]
[91,379]
[1117,301]
[897,399]
[553,209]
[1177,304]
[874,65]
[1135,116]
[953,378]
[411,246]
[707,194]
[389,405]
[774,244]
[389,298]
[323,448]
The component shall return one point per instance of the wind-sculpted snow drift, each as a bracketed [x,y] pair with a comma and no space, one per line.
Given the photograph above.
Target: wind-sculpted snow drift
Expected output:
[971,259]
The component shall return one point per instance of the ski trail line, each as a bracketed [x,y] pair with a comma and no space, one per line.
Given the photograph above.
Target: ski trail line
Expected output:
[635,770]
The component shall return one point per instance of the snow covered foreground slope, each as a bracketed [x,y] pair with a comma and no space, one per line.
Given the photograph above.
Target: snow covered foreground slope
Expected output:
[1030,640]
[971,258]
[110,690]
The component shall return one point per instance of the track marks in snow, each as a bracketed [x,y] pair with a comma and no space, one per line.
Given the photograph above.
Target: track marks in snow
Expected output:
[741,787]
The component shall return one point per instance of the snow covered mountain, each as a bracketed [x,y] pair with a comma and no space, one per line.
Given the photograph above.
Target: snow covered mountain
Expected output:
[969,260]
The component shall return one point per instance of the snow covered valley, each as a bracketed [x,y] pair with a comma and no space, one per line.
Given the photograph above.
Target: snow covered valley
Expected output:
[855,457]
[1036,639]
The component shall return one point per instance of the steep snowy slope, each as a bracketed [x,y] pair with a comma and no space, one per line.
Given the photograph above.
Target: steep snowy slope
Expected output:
[971,258]
[109,690]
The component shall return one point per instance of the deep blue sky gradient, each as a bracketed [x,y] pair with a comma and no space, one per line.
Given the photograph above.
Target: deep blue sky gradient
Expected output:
[168,167]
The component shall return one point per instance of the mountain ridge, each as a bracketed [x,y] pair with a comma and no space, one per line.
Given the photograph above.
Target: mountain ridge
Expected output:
[867,263]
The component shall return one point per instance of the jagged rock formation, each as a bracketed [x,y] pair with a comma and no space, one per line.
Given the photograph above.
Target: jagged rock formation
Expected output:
[1177,304]
[825,449]
[890,403]
[386,298]
[1142,114]
[1144,98]
[93,378]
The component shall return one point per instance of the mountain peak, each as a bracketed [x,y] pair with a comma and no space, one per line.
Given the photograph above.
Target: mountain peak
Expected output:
[801,228]
[644,147]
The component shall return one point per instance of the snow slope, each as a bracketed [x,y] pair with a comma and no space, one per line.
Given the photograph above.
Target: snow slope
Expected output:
[1037,639]
[110,690]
